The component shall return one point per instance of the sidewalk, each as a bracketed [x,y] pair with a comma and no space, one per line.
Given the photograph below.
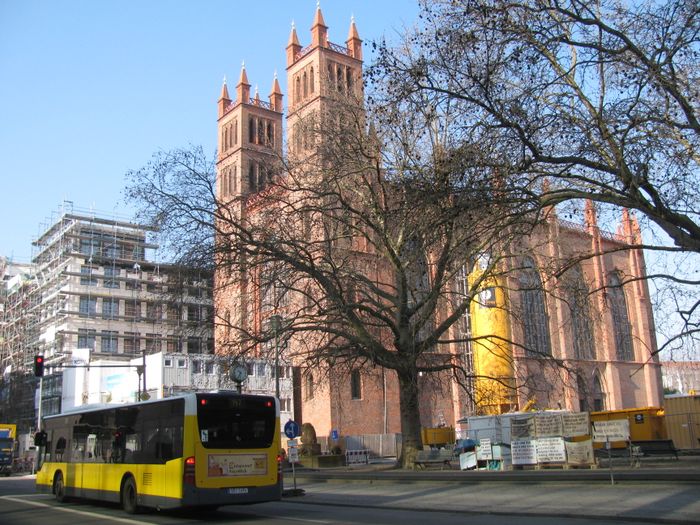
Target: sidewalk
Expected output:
[658,492]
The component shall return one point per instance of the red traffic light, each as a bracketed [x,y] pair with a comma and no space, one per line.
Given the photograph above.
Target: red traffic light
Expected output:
[38,365]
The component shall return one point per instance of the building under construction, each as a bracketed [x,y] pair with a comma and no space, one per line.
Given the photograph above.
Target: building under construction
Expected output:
[94,292]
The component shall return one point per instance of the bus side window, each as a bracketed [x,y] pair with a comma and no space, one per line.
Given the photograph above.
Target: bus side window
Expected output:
[60,449]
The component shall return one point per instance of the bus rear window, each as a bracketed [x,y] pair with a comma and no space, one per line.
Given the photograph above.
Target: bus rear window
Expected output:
[236,421]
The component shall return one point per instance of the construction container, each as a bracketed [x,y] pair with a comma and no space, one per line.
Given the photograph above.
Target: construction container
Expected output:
[683,420]
[438,437]
[646,424]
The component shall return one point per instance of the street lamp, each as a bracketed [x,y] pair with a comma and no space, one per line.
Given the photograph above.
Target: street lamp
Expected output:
[276,324]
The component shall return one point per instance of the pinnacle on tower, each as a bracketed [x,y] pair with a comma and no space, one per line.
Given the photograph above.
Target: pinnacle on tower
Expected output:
[319,30]
[224,99]
[275,96]
[353,42]
[293,46]
[243,87]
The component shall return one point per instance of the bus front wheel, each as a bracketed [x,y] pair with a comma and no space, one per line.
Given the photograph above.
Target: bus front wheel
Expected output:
[129,496]
[59,488]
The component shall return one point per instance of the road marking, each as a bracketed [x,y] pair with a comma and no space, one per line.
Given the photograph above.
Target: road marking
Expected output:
[74,511]
[287,518]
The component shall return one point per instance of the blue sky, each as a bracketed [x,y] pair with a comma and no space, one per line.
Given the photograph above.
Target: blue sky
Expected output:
[92,88]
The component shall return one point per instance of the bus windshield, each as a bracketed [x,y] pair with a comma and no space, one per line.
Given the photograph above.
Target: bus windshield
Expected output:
[236,421]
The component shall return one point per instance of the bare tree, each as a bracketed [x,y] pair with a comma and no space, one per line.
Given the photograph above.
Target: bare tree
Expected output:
[598,98]
[358,247]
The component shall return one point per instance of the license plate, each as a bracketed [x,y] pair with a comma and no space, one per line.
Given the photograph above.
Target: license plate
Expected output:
[238,491]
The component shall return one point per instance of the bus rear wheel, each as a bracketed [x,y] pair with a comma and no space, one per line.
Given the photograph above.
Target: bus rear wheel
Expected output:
[129,496]
[59,488]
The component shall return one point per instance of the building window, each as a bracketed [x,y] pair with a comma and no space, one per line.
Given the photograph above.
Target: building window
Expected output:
[109,341]
[110,308]
[251,130]
[154,311]
[582,395]
[132,309]
[309,385]
[86,338]
[534,315]
[355,385]
[173,313]
[620,319]
[167,362]
[86,277]
[182,363]
[173,345]
[110,275]
[196,366]
[132,343]
[88,306]
[311,80]
[194,345]
[153,343]
[285,405]
[209,368]
[193,313]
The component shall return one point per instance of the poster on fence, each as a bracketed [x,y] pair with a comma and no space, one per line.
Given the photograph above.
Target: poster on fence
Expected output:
[576,424]
[523,452]
[548,425]
[612,430]
[522,427]
[484,451]
[579,453]
[551,450]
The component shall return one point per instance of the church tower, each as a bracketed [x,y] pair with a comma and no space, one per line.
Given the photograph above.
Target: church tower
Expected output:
[250,139]
[319,75]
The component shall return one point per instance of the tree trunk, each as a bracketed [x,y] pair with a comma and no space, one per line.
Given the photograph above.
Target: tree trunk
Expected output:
[410,418]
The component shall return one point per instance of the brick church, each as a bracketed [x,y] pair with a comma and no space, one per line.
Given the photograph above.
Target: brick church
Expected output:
[596,319]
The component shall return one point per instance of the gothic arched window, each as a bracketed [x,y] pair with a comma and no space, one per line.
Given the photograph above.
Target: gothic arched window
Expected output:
[355,385]
[620,319]
[306,84]
[598,394]
[252,179]
[311,80]
[582,394]
[251,130]
[534,313]
[581,326]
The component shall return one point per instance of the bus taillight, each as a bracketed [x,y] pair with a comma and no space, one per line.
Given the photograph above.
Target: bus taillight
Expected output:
[188,476]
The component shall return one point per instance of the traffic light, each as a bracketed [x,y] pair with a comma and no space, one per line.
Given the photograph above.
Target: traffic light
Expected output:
[38,365]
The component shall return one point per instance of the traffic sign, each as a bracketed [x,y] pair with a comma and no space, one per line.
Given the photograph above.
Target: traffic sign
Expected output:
[291,429]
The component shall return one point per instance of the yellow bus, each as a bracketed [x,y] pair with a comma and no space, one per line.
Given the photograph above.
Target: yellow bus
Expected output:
[191,450]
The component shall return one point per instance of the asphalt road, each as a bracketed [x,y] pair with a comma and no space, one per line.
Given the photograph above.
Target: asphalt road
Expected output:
[413,501]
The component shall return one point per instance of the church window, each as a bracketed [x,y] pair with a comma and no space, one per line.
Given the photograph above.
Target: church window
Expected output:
[306,85]
[309,384]
[297,89]
[620,319]
[581,326]
[251,130]
[534,314]
[348,75]
[224,139]
[339,78]
[355,385]
[261,131]
[235,132]
[311,80]
[252,181]
[582,394]
[331,80]
[270,133]
[598,394]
